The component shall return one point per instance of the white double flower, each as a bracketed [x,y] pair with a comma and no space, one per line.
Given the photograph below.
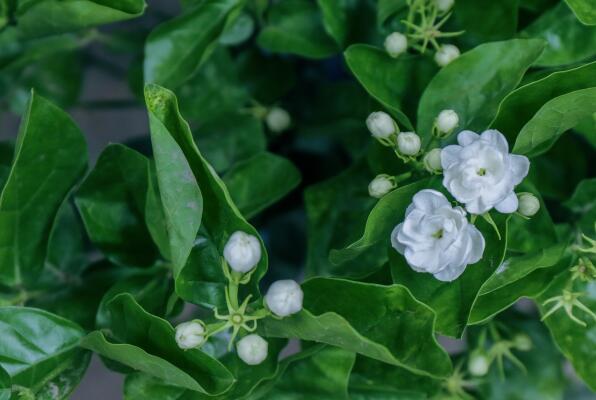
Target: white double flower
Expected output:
[436,237]
[480,173]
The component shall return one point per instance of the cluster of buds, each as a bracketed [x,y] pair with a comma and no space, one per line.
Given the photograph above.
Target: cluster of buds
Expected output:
[385,130]
[241,255]
[423,28]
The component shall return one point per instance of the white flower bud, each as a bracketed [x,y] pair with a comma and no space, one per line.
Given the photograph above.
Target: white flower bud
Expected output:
[432,161]
[528,204]
[190,334]
[395,44]
[522,342]
[381,125]
[447,121]
[242,251]
[284,297]
[408,143]
[278,119]
[446,54]
[252,349]
[478,364]
[381,185]
[444,5]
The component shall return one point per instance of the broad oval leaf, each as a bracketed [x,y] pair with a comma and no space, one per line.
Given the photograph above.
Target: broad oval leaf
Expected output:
[553,119]
[584,11]
[453,301]
[50,156]
[146,343]
[475,83]
[176,48]
[382,322]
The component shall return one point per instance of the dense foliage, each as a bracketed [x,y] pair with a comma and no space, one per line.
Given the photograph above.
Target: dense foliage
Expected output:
[424,168]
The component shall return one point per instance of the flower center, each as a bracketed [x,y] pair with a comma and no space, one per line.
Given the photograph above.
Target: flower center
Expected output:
[438,234]
[237,319]
[481,171]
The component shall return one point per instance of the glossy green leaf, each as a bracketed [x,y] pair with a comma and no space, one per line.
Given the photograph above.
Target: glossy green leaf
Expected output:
[385,215]
[583,204]
[521,104]
[50,156]
[5,385]
[260,181]
[221,217]
[296,27]
[6,155]
[180,194]
[568,41]
[40,351]
[584,10]
[176,48]
[577,343]
[517,277]
[40,18]
[485,20]
[381,322]
[475,83]
[453,301]
[111,201]
[146,343]
[388,8]
[349,21]
[553,119]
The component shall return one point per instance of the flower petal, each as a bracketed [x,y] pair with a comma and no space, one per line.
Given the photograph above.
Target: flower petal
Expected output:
[450,155]
[465,138]
[520,166]
[497,139]
[508,205]
[428,200]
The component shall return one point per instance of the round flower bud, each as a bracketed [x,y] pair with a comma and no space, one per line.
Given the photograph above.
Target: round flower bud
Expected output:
[395,44]
[252,349]
[284,297]
[478,363]
[381,185]
[444,5]
[446,121]
[528,204]
[242,251]
[190,334]
[408,143]
[381,125]
[432,161]
[278,119]
[446,54]
[522,342]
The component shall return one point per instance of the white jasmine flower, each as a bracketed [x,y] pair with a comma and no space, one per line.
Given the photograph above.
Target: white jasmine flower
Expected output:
[446,54]
[447,121]
[436,237]
[480,172]
[381,185]
[432,161]
[190,334]
[242,251]
[528,204]
[252,349]
[408,143]
[278,119]
[478,363]
[381,125]
[395,44]
[284,297]
[444,5]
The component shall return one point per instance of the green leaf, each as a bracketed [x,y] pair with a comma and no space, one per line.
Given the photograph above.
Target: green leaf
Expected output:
[111,201]
[146,343]
[475,83]
[5,385]
[40,351]
[388,8]
[6,155]
[41,18]
[260,181]
[175,49]
[453,301]
[568,41]
[553,119]
[485,20]
[381,322]
[221,217]
[517,277]
[584,10]
[181,197]
[577,343]
[583,204]
[322,376]
[296,27]
[349,21]
[521,104]
[50,155]
[385,215]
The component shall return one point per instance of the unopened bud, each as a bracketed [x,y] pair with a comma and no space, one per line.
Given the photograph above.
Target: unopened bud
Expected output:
[478,363]
[444,5]
[408,143]
[446,121]
[242,251]
[528,204]
[278,120]
[446,54]
[381,185]
[252,349]
[432,161]
[284,297]
[396,44]
[522,342]
[381,125]
[190,334]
